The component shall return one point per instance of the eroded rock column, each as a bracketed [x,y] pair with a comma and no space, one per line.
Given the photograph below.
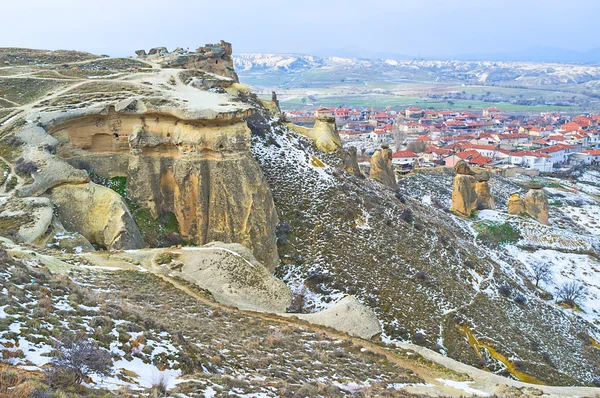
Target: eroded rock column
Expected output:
[536,202]
[464,197]
[381,167]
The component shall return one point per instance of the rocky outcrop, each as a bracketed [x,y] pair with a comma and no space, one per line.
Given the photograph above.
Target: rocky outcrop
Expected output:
[515,204]
[200,170]
[348,315]
[234,277]
[25,220]
[98,213]
[212,58]
[536,203]
[381,167]
[324,133]
[485,200]
[351,164]
[464,197]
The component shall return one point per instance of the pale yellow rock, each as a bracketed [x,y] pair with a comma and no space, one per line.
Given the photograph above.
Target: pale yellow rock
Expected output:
[515,205]
[381,167]
[234,277]
[348,315]
[464,197]
[203,173]
[98,213]
[485,200]
[536,205]
[324,133]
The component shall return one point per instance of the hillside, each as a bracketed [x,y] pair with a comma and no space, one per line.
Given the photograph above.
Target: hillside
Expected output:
[156,213]
[512,86]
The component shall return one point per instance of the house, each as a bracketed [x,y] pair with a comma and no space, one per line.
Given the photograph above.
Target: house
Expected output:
[434,154]
[413,111]
[323,112]
[571,126]
[594,155]
[580,158]
[471,157]
[491,112]
[531,160]
[380,135]
[558,153]
[404,158]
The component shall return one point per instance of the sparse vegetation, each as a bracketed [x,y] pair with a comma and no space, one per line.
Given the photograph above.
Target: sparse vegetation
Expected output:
[571,293]
[496,233]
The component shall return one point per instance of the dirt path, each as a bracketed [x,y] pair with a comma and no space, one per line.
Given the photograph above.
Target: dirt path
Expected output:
[438,382]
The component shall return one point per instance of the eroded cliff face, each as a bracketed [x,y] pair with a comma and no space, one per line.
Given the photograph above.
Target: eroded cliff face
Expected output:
[199,170]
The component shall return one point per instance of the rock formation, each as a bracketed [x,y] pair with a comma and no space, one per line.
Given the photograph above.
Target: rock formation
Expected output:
[515,204]
[485,200]
[464,196]
[351,164]
[199,170]
[381,167]
[234,277]
[347,315]
[324,133]
[99,214]
[212,58]
[536,203]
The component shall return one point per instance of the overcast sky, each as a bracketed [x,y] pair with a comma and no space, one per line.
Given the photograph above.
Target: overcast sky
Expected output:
[362,28]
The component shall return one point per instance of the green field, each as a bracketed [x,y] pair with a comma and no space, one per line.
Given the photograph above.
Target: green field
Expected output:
[401,102]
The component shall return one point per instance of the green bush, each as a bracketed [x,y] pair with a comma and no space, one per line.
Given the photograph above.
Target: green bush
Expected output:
[497,233]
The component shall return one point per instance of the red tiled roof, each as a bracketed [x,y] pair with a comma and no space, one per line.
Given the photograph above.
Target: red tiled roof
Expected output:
[404,154]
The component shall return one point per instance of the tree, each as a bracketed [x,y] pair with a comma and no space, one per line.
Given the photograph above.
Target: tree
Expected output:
[398,136]
[571,293]
[541,273]
[417,146]
[303,100]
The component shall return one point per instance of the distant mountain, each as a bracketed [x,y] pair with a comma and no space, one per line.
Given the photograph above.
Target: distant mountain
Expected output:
[530,74]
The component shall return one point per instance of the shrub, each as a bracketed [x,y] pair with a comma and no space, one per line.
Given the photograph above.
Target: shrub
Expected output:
[505,289]
[24,167]
[419,339]
[520,299]
[75,358]
[299,304]
[571,293]
[497,233]
[160,385]
[407,215]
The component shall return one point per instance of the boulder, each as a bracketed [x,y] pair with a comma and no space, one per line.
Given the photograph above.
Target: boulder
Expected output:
[485,200]
[536,205]
[25,220]
[350,162]
[234,277]
[99,214]
[464,196]
[515,205]
[463,168]
[140,53]
[381,167]
[348,315]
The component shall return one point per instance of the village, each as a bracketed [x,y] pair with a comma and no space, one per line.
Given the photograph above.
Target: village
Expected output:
[507,145]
